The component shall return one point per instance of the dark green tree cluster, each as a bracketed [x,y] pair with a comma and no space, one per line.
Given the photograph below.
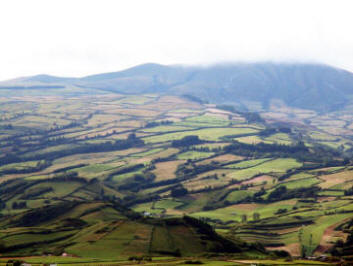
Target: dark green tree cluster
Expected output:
[186,141]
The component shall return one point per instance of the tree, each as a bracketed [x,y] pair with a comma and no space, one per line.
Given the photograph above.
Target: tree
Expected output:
[256,216]
[348,192]
[277,193]
[244,218]
[179,192]
[14,205]
[303,251]
[186,141]
[131,136]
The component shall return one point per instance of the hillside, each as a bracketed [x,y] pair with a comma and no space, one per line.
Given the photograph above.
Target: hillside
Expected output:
[101,230]
[253,179]
[308,86]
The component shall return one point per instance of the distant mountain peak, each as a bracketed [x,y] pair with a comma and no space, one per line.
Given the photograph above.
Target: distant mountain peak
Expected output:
[305,85]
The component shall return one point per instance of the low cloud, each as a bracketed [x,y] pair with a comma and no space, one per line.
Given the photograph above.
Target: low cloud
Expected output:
[77,38]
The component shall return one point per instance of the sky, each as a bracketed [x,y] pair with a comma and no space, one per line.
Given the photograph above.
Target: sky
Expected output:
[82,37]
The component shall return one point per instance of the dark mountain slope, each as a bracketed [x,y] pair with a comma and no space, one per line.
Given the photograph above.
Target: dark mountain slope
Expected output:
[312,86]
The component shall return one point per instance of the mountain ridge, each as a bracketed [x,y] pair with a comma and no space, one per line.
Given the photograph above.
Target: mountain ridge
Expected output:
[309,86]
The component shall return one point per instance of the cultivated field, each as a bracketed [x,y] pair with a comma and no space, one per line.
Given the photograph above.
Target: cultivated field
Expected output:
[286,186]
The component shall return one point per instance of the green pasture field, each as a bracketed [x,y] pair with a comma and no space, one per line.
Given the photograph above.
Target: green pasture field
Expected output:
[274,166]
[248,163]
[157,153]
[209,119]
[148,208]
[29,237]
[279,138]
[312,234]
[304,182]
[121,177]
[93,170]
[251,140]
[160,261]
[111,237]
[331,193]
[235,212]
[135,100]
[212,134]
[50,149]
[147,153]
[163,129]
[299,176]
[238,195]
[194,155]
[20,166]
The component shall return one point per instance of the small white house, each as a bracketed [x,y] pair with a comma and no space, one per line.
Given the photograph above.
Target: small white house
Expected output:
[146,214]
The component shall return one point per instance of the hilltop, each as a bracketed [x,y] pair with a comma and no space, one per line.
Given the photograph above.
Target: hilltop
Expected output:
[103,230]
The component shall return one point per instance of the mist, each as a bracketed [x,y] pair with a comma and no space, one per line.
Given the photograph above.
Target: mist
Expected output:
[78,38]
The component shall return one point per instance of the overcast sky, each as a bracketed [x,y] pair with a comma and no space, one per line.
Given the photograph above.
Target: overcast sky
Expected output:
[81,37]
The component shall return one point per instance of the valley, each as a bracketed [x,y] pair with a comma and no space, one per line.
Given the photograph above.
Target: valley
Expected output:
[106,175]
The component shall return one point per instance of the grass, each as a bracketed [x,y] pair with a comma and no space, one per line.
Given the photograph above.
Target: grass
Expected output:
[99,116]
[163,129]
[60,189]
[279,138]
[157,207]
[50,149]
[166,170]
[304,182]
[19,166]
[312,234]
[185,238]
[147,207]
[121,177]
[224,214]
[194,155]
[147,153]
[279,262]
[161,240]
[238,195]
[212,134]
[274,166]
[93,170]
[248,163]
[331,193]
[235,212]
[224,158]
[62,260]
[168,203]
[100,119]
[251,140]
[299,176]
[135,100]
[208,120]
[332,180]
[26,238]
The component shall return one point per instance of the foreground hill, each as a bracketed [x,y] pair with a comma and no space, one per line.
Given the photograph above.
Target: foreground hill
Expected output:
[105,230]
[310,86]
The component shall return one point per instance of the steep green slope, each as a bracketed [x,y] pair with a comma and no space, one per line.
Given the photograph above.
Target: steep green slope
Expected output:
[108,231]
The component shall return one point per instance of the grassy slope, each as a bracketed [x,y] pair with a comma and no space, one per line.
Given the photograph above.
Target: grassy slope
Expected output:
[111,117]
